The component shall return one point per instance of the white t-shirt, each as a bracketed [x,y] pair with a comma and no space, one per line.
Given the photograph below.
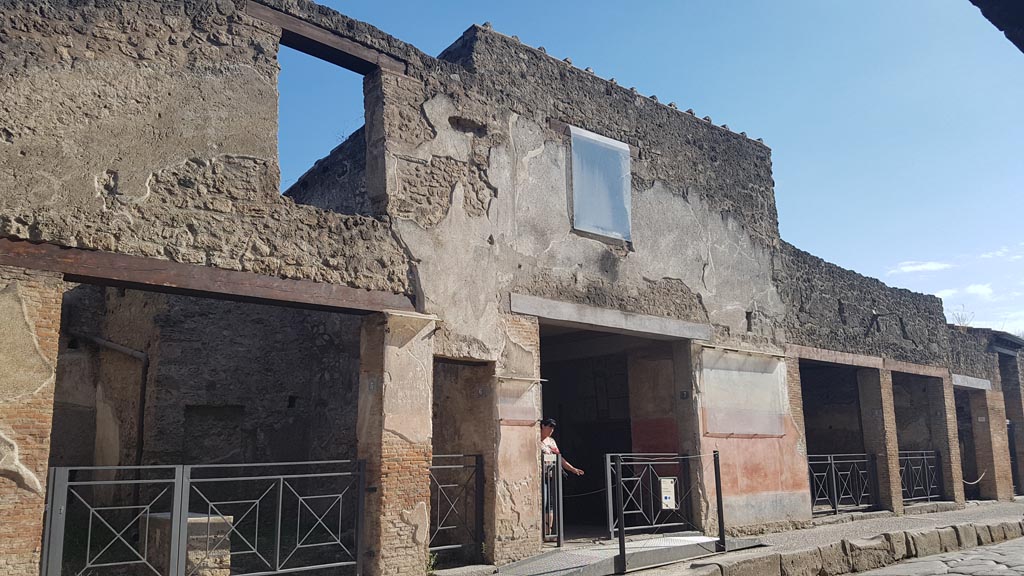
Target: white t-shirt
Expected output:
[549,449]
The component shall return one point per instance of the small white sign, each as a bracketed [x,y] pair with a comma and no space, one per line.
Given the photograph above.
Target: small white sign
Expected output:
[668,494]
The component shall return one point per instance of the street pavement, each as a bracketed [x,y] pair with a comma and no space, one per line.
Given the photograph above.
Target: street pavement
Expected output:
[1005,559]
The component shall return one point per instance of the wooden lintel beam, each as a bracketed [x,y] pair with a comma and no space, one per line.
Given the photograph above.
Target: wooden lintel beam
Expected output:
[324,44]
[109,269]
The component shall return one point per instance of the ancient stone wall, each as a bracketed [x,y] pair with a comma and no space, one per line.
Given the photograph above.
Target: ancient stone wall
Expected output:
[149,129]
[970,355]
[337,182]
[30,307]
[837,309]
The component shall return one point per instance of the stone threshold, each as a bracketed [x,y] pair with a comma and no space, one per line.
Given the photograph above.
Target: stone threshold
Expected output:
[861,554]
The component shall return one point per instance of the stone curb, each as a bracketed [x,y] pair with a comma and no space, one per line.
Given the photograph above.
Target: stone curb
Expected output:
[859,554]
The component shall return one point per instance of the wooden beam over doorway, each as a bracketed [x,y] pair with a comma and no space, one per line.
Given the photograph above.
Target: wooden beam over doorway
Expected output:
[323,43]
[109,269]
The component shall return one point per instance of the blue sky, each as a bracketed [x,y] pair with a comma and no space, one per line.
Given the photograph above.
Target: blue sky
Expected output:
[896,128]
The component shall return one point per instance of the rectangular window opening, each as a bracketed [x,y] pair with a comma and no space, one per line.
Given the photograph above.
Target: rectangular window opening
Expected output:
[601,186]
[321,146]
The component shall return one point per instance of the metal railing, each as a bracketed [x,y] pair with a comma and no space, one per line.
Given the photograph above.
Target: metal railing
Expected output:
[842,482]
[552,512]
[921,475]
[642,476]
[242,519]
[457,503]
[652,492]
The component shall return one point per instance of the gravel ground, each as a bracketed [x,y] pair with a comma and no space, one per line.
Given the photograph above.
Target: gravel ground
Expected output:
[1006,559]
[822,535]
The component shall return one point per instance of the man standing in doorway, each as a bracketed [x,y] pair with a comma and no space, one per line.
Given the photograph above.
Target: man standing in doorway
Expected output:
[549,454]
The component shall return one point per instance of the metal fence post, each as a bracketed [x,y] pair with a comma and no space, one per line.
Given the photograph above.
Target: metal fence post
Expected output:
[718,502]
[57,509]
[181,547]
[620,560]
[873,479]
[687,483]
[360,512]
[833,484]
[609,496]
[938,477]
[480,499]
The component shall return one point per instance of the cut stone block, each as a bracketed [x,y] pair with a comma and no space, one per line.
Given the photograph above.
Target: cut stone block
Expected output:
[869,553]
[801,563]
[834,559]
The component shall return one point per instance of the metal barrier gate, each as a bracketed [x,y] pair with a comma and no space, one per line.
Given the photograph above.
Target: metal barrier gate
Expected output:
[920,475]
[842,482]
[457,504]
[652,492]
[242,519]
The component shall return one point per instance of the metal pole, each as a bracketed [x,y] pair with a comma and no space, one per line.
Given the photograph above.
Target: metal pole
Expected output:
[938,476]
[620,560]
[480,499]
[558,503]
[718,502]
[833,484]
[609,497]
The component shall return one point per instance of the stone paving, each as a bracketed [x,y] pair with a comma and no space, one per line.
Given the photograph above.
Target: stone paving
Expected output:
[833,534]
[1006,559]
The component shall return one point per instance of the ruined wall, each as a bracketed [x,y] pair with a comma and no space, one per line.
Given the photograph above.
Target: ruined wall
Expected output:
[74,399]
[337,182]
[970,355]
[149,129]
[30,308]
[128,320]
[231,382]
[837,309]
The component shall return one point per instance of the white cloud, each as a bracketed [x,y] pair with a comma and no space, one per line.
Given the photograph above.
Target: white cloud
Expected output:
[915,266]
[947,293]
[983,290]
[997,253]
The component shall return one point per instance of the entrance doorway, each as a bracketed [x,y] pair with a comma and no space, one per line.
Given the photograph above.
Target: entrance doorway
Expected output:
[610,394]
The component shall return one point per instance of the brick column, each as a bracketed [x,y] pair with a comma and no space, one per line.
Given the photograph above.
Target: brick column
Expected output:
[394,434]
[30,307]
[1009,376]
[878,420]
[942,421]
[991,450]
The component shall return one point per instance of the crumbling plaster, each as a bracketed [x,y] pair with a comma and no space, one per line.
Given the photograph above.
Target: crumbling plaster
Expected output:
[687,261]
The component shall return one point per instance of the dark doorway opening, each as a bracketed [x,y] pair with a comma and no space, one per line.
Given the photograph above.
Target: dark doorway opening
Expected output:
[611,394]
[965,436]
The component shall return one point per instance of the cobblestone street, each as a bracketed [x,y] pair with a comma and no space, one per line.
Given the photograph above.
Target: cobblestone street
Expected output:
[1006,559]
